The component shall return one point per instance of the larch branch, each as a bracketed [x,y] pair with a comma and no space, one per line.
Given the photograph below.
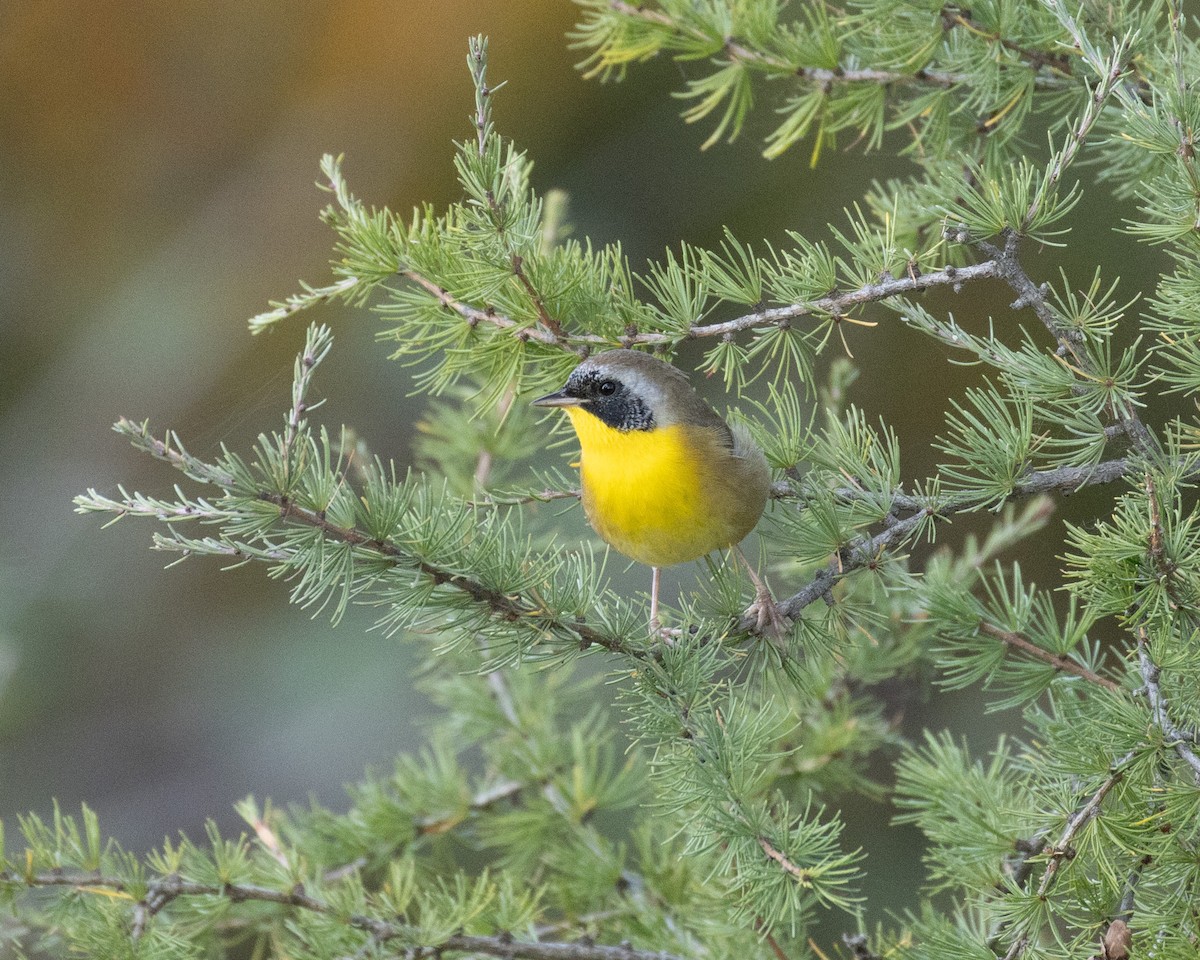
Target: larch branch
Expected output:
[1058,661]
[835,304]
[739,52]
[169,888]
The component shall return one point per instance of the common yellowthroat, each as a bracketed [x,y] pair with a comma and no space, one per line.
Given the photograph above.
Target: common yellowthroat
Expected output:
[665,479]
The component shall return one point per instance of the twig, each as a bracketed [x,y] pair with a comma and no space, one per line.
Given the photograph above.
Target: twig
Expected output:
[859,554]
[1078,135]
[484,800]
[803,877]
[1061,850]
[500,604]
[866,550]
[1058,661]
[1029,294]
[1057,852]
[1058,63]
[1017,948]
[819,76]
[1177,739]
[835,304]
[1125,907]
[761,928]
[500,945]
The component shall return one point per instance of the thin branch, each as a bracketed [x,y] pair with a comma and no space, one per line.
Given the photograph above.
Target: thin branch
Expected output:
[500,604]
[482,801]
[1125,908]
[754,58]
[1176,738]
[802,876]
[1029,294]
[835,304]
[866,550]
[1018,948]
[500,945]
[1058,661]
[1062,849]
[1059,63]
[577,344]
[761,928]
[1078,135]
[862,552]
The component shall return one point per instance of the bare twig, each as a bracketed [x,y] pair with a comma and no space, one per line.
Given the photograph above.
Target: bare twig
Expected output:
[1058,661]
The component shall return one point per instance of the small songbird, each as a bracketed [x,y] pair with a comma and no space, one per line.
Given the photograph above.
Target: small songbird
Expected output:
[665,479]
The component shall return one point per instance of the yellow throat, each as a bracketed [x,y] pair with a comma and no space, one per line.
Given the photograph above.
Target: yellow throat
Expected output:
[657,495]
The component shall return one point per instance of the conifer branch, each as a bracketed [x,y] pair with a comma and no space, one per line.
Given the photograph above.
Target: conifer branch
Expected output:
[1060,63]
[835,304]
[499,604]
[867,550]
[1061,849]
[1078,135]
[740,52]
[1058,661]
[1070,342]
[1181,741]
[481,802]
[161,892]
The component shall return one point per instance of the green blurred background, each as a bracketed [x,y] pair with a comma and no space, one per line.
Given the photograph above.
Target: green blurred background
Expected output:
[157,164]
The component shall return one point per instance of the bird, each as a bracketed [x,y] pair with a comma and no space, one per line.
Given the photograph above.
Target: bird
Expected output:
[665,479]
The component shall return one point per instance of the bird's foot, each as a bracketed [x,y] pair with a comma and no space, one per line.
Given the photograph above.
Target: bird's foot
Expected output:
[668,635]
[765,617]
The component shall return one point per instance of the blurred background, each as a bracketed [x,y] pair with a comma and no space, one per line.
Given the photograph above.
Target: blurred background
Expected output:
[157,164]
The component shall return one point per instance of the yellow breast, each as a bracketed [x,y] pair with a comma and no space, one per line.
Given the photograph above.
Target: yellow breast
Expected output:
[661,496]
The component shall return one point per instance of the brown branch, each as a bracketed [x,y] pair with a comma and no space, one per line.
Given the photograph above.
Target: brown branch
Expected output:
[518,269]
[761,928]
[1062,850]
[500,604]
[1061,64]
[804,877]
[1058,661]
[474,316]
[501,945]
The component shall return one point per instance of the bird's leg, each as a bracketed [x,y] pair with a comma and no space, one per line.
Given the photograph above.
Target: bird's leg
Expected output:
[769,621]
[657,631]
[655,577]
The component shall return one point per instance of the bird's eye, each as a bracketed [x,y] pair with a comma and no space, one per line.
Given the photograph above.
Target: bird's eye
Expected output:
[608,387]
